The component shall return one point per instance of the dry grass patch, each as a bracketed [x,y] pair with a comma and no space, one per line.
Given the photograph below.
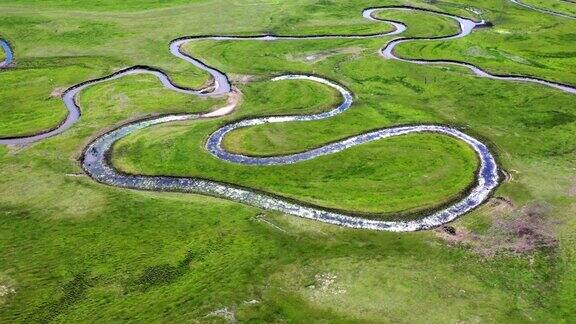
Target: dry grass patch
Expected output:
[57,92]
[320,56]
[572,189]
[512,230]
[7,288]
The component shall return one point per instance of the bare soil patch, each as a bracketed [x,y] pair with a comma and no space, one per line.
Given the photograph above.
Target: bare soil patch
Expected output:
[516,231]
[572,189]
[57,92]
[227,314]
[319,56]
[242,78]
[234,98]
[325,284]
[7,287]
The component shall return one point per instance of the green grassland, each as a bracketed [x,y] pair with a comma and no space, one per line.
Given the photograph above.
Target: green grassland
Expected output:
[566,7]
[176,149]
[73,250]
[517,44]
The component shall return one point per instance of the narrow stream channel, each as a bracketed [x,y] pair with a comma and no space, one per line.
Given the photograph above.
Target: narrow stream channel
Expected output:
[95,157]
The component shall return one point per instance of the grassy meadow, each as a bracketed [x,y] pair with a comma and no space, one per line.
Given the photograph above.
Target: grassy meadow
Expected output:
[73,250]
[566,7]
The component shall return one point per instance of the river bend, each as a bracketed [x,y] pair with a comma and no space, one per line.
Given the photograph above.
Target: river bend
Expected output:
[95,156]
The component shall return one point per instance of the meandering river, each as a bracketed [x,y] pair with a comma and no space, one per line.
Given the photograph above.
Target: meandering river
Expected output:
[8,53]
[96,165]
[543,10]
[95,157]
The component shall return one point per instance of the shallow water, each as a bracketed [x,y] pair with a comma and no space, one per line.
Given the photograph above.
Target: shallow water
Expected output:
[221,84]
[546,11]
[96,165]
[466,28]
[8,52]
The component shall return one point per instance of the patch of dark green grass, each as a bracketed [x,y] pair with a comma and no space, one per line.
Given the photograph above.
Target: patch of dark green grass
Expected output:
[162,274]
[71,293]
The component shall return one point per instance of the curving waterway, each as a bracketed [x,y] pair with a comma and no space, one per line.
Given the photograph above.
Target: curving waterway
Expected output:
[543,10]
[466,28]
[97,166]
[221,85]
[95,157]
[8,53]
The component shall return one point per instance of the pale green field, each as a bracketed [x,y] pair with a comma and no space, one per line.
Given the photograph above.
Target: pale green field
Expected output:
[566,7]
